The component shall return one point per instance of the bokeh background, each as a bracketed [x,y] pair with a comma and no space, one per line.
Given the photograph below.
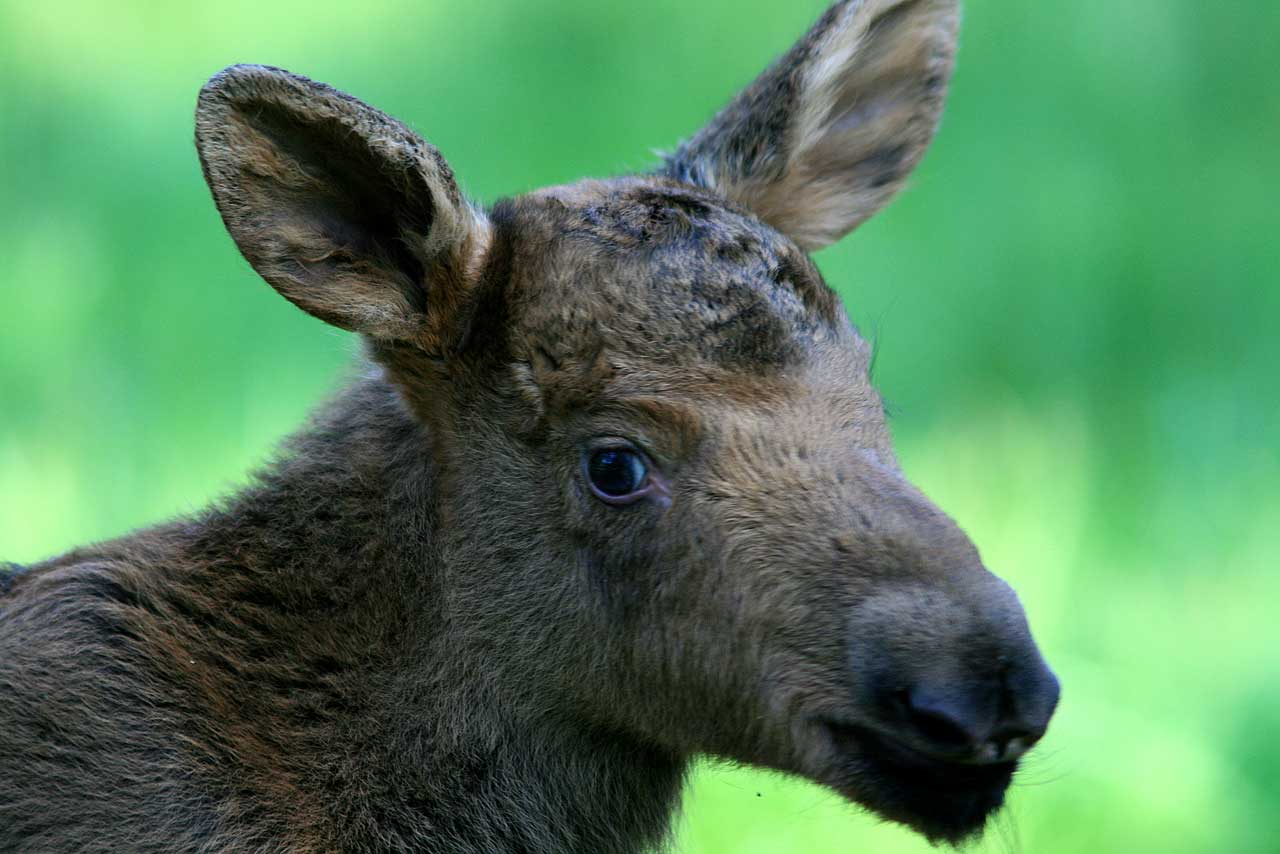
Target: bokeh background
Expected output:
[1076,306]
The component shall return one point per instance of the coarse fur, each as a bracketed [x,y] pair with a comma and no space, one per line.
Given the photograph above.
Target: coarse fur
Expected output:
[423,628]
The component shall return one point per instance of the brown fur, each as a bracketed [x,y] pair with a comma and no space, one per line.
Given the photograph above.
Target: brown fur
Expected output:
[419,629]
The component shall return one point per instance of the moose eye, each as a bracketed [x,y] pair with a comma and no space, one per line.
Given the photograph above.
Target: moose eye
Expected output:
[617,474]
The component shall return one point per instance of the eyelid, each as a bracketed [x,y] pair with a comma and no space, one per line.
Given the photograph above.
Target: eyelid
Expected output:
[602,443]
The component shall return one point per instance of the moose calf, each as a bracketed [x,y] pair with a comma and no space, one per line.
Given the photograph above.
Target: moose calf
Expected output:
[612,491]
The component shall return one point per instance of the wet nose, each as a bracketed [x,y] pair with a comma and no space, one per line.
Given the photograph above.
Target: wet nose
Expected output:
[951,670]
[978,723]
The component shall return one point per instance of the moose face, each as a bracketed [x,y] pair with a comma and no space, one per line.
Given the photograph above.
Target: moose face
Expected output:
[669,507]
[713,518]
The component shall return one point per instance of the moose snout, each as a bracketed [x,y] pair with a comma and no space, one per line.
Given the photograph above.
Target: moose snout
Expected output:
[946,680]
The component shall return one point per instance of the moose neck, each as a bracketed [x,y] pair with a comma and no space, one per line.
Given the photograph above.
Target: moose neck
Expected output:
[396,718]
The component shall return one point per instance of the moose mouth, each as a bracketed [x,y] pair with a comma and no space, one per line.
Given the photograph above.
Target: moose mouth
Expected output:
[944,800]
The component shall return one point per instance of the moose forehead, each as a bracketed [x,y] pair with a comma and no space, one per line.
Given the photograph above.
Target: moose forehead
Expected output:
[650,269]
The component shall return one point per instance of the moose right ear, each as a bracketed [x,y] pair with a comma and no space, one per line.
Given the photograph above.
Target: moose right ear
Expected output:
[345,211]
[827,135]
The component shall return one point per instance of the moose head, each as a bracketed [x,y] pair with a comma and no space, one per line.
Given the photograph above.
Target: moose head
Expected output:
[670,505]
[614,491]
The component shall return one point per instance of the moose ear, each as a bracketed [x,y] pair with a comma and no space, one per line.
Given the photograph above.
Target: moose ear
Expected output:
[827,135]
[345,211]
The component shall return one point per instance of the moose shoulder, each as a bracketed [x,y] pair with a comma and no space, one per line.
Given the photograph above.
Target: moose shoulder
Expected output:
[614,491]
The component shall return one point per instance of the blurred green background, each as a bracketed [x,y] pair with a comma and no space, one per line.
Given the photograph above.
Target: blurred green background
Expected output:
[1076,305]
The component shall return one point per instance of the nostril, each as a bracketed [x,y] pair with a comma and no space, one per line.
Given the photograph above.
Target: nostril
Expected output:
[939,729]
[942,724]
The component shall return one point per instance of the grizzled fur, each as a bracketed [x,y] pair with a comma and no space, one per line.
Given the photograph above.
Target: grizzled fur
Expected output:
[419,629]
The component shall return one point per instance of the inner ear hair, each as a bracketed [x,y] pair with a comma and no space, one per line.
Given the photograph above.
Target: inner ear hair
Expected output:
[330,210]
[364,209]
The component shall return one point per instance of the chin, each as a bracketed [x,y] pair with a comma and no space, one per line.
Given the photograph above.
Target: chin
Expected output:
[947,802]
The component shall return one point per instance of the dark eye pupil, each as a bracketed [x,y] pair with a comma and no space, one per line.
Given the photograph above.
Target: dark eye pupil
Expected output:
[616,471]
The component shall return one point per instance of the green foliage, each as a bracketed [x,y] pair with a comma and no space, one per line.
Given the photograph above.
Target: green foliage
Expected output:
[1075,306]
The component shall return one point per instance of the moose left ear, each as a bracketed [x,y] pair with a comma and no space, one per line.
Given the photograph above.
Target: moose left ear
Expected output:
[828,134]
[350,215]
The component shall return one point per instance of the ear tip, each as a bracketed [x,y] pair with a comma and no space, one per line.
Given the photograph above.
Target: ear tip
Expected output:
[251,81]
[245,79]
[236,85]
